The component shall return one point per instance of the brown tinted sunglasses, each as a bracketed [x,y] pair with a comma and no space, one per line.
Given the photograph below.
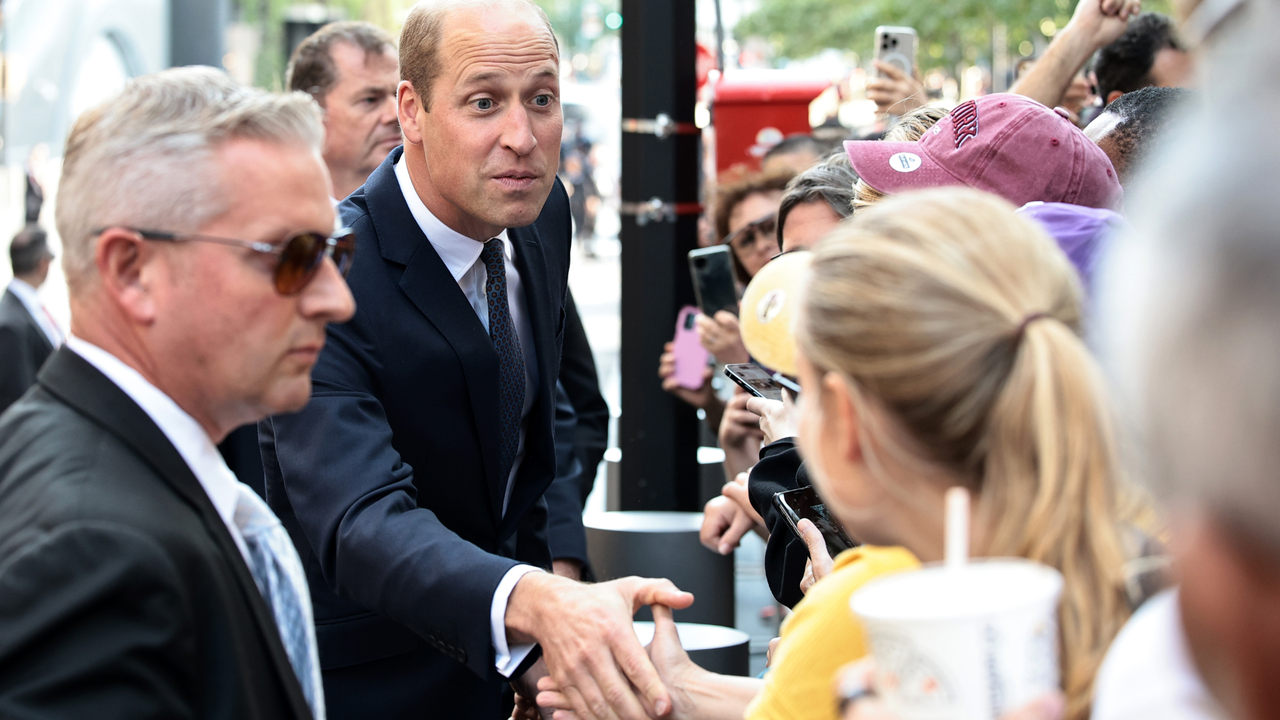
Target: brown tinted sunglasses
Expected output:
[300,254]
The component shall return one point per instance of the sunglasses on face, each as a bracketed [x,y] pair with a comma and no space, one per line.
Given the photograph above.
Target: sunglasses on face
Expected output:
[746,237]
[300,254]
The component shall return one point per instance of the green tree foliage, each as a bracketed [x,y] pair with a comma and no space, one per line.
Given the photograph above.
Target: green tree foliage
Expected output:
[950,30]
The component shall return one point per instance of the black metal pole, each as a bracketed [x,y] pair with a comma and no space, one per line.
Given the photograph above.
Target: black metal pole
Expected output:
[197,32]
[658,434]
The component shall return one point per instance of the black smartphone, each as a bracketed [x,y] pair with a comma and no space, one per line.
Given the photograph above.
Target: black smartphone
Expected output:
[804,502]
[713,285]
[755,380]
[787,383]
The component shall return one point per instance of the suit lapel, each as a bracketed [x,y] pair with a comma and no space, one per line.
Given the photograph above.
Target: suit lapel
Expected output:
[431,288]
[75,382]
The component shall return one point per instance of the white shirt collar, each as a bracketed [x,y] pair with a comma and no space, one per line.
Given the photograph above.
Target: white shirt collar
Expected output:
[458,251]
[188,437]
[26,293]
[29,296]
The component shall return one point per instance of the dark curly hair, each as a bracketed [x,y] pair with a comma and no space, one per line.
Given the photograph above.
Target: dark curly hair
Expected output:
[1125,64]
[1143,115]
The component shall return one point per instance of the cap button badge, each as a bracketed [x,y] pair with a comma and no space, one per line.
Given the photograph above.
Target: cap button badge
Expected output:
[1062,112]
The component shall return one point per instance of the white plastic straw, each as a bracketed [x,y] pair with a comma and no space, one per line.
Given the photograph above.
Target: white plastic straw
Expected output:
[957,527]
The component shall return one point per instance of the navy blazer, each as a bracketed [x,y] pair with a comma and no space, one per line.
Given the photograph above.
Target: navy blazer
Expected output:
[389,479]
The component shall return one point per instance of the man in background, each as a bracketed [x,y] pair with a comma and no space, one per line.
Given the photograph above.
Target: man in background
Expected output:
[28,334]
[351,69]
[1148,54]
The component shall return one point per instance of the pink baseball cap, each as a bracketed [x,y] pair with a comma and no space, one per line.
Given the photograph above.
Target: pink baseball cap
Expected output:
[1007,145]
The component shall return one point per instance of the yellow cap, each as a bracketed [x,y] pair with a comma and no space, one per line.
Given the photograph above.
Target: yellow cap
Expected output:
[769,308]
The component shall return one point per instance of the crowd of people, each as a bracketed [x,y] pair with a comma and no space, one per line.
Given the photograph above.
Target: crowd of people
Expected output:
[319,437]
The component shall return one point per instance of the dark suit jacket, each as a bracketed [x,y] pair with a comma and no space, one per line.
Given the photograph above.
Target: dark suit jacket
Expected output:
[388,480]
[582,385]
[122,593]
[23,349]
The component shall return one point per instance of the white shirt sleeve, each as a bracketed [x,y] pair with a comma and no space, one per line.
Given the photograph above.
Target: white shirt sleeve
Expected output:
[507,659]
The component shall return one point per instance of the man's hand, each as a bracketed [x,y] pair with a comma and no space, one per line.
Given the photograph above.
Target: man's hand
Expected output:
[777,419]
[588,643]
[669,658]
[893,91]
[819,564]
[856,694]
[721,336]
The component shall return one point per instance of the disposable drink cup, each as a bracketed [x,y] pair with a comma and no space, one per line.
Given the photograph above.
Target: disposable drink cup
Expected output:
[966,643]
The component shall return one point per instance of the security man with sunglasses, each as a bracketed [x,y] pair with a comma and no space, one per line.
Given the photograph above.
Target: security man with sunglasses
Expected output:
[138,577]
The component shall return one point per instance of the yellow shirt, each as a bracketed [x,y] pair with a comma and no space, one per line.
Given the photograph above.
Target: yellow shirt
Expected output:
[821,636]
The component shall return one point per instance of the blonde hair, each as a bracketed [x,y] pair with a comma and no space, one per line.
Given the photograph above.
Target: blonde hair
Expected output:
[909,128]
[955,324]
[144,158]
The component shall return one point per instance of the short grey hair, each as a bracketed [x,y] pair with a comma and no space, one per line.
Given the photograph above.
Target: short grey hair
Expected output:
[144,158]
[1192,301]
[830,181]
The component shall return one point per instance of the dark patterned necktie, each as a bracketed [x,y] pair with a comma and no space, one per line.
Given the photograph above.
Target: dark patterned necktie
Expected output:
[510,359]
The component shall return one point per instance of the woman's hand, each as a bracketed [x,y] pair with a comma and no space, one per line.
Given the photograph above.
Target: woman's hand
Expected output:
[700,398]
[819,564]
[721,337]
[777,419]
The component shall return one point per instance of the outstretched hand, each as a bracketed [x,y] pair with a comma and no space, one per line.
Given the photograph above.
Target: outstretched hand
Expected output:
[590,648]
[1103,21]
[669,659]
[894,92]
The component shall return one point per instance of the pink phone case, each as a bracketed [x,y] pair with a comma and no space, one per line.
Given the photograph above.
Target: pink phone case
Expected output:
[691,357]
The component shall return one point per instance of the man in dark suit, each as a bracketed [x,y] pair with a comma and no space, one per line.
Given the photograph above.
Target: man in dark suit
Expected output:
[138,578]
[413,481]
[28,333]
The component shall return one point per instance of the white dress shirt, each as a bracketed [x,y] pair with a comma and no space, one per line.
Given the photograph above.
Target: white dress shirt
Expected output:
[30,298]
[461,255]
[191,441]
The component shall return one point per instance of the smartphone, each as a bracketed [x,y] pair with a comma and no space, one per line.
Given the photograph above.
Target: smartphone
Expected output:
[787,383]
[897,46]
[691,357]
[796,505]
[755,380]
[713,285]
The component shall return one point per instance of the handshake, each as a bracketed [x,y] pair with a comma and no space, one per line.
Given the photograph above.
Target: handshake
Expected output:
[593,666]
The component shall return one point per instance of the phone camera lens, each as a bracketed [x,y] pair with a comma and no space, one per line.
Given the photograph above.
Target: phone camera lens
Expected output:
[700,263]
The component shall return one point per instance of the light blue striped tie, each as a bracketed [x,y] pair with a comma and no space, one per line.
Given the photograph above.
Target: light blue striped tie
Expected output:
[278,571]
